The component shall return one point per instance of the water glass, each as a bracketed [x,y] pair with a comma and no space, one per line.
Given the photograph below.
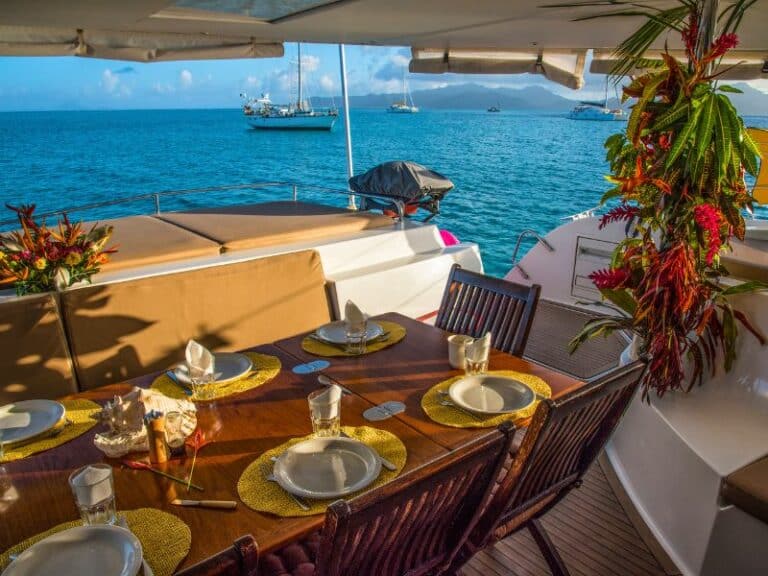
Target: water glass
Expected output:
[202,386]
[356,337]
[174,433]
[476,359]
[94,491]
[457,345]
[325,411]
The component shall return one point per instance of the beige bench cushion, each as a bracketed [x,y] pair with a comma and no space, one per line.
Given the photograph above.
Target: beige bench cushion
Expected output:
[34,360]
[143,240]
[126,329]
[273,223]
[747,488]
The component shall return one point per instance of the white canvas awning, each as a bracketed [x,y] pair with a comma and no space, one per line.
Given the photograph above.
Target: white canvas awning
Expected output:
[736,65]
[132,46]
[563,67]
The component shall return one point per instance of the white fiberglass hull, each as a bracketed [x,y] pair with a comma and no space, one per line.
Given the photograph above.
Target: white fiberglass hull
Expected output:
[672,455]
[303,122]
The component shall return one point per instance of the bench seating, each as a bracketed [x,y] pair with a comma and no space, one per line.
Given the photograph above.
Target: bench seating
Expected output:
[145,240]
[124,329]
[35,359]
[747,488]
[273,223]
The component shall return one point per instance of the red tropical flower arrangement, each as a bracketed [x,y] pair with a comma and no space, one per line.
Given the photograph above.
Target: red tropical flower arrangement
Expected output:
[37,258]
[678,173]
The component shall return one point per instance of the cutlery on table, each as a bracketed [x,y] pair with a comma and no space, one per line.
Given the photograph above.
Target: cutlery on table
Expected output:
[52,433]
[317,338]
[446,402]
[175,379]
[328,381]
[270,477]
[223,504]
[384,462]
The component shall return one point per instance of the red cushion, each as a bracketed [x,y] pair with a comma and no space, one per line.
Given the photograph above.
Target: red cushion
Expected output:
[295,559]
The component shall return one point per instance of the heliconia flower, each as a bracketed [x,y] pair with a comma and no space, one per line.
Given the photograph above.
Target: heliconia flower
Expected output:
[709,219]
[623,212]
[609,279]
[724,43]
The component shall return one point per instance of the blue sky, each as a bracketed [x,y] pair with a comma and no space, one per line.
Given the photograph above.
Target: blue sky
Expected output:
[68,83]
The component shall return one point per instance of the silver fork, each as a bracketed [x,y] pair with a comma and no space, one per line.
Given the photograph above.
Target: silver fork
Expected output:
[270,477]
[44,436]
[445,402]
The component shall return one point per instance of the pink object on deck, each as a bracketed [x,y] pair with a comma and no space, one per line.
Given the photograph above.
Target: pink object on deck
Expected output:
[449,238]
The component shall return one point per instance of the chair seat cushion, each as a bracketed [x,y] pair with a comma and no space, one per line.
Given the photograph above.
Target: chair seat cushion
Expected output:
[747,488]
[273,223]
[295,559]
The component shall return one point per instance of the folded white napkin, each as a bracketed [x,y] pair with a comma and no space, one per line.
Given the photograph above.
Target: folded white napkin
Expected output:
[89,487]
[199,360]
[137,403]
[478,349]
[353,316]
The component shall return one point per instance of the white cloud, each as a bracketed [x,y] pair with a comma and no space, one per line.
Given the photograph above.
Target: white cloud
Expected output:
[252,82]
[761,85]
[326,82]
[310,63]
[185,78]
[162,88]
[109,81]
[399,60]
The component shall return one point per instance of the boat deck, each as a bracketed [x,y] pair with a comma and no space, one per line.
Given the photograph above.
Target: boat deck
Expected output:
[592,533]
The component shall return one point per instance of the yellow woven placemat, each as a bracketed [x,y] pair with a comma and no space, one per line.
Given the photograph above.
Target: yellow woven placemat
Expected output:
[450,416]
[265,367]
[78,411]
[396,333]
[263,496]
[165,539]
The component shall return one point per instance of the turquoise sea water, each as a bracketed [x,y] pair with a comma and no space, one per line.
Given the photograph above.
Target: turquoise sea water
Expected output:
[511,170]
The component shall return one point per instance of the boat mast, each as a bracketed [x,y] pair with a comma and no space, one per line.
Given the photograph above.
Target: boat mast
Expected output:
[299,103]
[347,127]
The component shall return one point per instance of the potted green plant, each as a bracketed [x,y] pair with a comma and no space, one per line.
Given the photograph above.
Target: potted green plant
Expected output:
[678,174]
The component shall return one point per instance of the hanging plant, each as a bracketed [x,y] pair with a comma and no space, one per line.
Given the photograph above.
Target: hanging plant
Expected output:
[678,174]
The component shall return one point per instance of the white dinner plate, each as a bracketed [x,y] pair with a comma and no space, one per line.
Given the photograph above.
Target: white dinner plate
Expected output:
[98,549]
[228,366]
[28,418]
[488,394]
[336,332]
[323,468]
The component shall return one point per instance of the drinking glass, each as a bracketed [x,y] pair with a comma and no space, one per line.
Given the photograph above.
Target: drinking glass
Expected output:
[174,434]
[356,337]
[325,411]
[202,386]
[476,359]
[94,491]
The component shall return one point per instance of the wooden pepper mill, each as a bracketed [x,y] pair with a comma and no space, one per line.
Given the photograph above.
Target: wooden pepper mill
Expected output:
[158,449]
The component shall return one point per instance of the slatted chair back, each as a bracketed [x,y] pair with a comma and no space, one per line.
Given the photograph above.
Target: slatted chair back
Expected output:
[564,439]
[415,524]
[474,304]
[242,559]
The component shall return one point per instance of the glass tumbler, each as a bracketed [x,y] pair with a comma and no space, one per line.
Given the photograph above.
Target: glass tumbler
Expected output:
[325,411]
[94,491]
[174,434]
[356,337]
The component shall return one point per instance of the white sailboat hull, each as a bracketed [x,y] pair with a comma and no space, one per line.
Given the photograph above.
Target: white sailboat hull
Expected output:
[303,122]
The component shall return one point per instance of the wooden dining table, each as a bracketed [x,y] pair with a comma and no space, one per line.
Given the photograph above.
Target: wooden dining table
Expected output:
[35,494]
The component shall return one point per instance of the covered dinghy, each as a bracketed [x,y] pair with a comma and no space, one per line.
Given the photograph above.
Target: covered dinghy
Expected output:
[404,184]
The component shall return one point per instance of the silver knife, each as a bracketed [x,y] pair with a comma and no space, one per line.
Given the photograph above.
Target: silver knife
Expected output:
[384,462]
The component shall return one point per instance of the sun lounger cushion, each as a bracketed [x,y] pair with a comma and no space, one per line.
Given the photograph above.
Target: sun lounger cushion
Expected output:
[747,488]
[34,360]
[124,329]
[273,223]
[143,240]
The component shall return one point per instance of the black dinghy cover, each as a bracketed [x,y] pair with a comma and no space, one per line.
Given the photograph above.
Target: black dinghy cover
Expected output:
[405,182]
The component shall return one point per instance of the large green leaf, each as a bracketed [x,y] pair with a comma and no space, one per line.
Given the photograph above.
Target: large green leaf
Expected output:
[677,112]
[649,93]
[682,138]
[706,123]
[621,298]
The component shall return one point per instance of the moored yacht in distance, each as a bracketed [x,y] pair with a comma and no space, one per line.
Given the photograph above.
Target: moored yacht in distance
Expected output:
[406,105]
[596,111]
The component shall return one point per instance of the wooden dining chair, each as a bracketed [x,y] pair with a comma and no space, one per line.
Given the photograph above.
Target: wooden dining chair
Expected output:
[564,439]
[474,304]
[413,525]
[241,559]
